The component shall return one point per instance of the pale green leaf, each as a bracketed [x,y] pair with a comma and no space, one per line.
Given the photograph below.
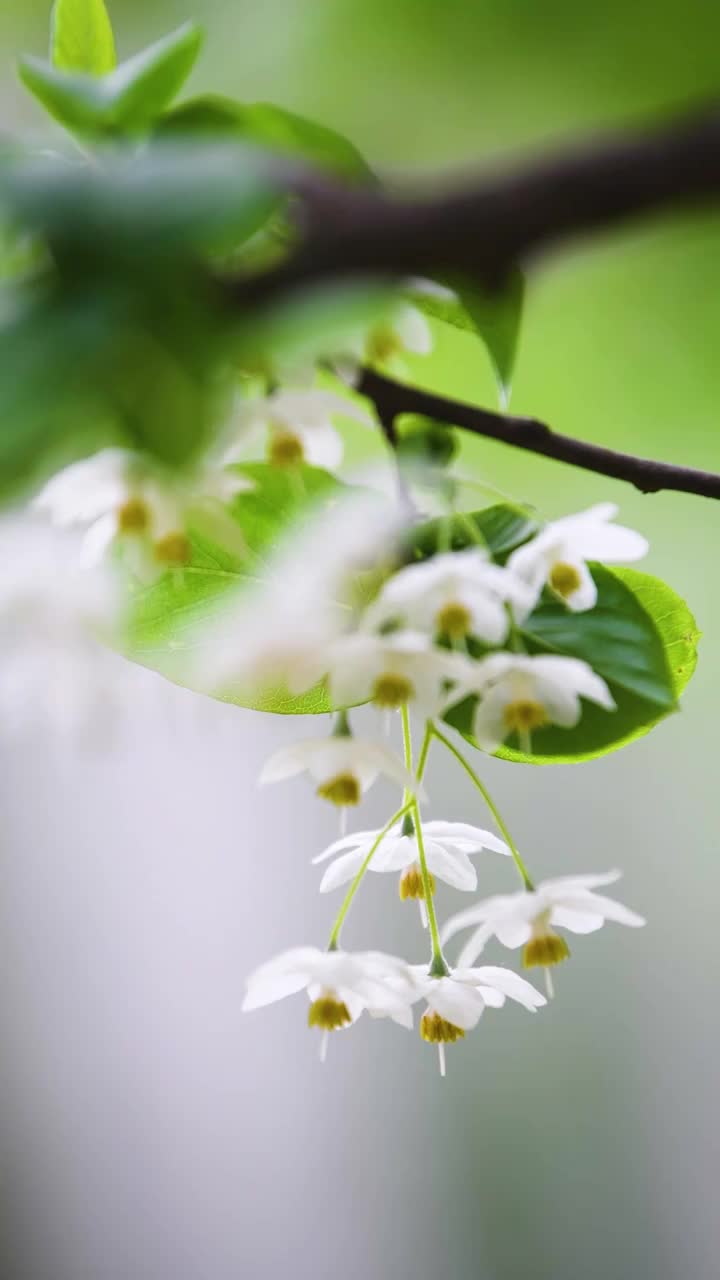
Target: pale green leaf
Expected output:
[81,37]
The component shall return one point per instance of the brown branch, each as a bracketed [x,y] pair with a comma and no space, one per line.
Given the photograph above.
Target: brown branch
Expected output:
[392,398]
[483,228]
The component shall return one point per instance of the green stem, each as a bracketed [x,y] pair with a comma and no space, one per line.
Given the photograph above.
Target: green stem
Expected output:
[335,934]
[422,759]
[435,732]
[438,964]
[438,967]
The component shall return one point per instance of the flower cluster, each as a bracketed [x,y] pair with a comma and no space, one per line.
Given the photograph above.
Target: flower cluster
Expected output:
[348,608]
[436,632]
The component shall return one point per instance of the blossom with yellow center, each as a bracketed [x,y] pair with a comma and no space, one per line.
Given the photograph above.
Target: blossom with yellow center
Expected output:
[558,555]
[519,694]
[341,985]
[300,426]
[454,594]
[342,767]
[393,670]
[529,919]
[457,1001]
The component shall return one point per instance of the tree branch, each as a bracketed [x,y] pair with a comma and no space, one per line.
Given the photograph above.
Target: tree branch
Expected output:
[392,398]
[483,228]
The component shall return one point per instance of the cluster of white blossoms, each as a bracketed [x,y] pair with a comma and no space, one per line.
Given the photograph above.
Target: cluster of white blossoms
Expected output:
[343,607]
[435,633]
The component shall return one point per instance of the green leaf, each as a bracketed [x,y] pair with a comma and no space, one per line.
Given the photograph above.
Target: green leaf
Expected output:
[127,100]
[173,199]
[81,37]
[641,637]
[500,529]
[493,316]
[166,615]
[271,127]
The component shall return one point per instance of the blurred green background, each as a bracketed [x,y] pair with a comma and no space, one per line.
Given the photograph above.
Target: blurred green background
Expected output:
[587,1143]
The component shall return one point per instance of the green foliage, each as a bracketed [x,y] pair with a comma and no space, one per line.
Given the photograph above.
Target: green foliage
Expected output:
[81,37]
[166,616]
[126,100]
[271,127]
[494,316]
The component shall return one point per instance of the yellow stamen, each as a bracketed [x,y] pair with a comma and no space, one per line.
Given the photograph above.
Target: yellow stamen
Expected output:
[133,516]
[382,345]
[342,789]
[545,948]
[392,691]
[411,883]
[437,1030]
[173,549]
[524,715]
[328,1013]
[285,449]
[454,621]
[564,579]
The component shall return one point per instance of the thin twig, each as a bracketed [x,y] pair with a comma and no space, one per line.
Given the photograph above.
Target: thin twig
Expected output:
[392,398]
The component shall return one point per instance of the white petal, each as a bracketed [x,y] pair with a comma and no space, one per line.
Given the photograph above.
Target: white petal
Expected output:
[610,909]
[413,330]
[455,869]
[475,945]
[343,869]
[322,446]
[458,1004]
[468,836]
[262,993]
[585,595]
[359,839]
[576,920]
[289,761]
[511,984]
[489,727]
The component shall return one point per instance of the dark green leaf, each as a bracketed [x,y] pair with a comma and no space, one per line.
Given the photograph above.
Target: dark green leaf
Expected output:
[81,37]
[494,316]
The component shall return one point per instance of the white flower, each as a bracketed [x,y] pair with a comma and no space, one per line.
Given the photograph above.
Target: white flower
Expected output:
[518,694]
[340,984]
[448,846]
[276,633]
[343,767]
[53,616]
[456,1002]
[393,670]
[299,423]
[527,919]
[119,498]
[404,330]
[455,594]
[557,555]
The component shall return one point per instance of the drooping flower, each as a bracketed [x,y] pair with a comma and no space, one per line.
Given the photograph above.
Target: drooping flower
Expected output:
[448,849]
[299,426]
[557,556]
[120,499]
[455,595]
[456,1002]
[343,767]
[519,694]
[529,919]
[54,616]
[404,331]
[341,985]
[276,634]
[393,670]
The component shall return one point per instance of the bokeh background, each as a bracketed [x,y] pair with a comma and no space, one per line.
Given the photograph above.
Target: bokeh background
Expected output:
[148,1130]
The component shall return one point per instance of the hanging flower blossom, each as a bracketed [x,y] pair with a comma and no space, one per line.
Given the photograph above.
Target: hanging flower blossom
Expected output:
[528,919]
[448,849]
[557,556]
[456,1002]
[406,331]
[340,984]
[54,616]
[519,694]
[455,595]
[343,767]
[393,670]
[299,426]
[121,500]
